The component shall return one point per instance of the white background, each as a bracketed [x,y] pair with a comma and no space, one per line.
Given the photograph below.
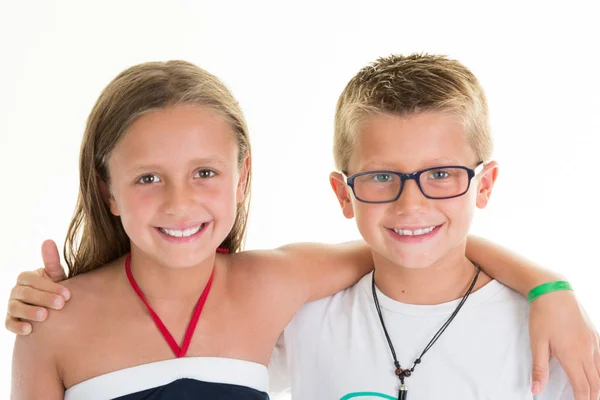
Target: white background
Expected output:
[286,62]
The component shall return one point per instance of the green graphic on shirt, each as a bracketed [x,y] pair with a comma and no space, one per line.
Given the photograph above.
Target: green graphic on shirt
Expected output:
[367,394]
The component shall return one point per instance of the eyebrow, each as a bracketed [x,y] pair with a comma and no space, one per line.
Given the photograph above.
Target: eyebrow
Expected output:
[207,161]
[440,161]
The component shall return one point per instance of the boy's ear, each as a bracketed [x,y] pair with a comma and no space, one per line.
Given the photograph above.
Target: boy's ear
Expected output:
[243,181]
[107,196]
[342,192]
[486,183]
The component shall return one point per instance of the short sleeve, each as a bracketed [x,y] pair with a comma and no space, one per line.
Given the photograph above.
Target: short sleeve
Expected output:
[279,369]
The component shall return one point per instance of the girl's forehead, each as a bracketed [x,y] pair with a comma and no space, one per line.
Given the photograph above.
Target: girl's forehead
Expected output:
[182,131]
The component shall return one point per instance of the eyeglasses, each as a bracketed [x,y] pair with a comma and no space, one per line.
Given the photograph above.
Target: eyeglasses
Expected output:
[437,183]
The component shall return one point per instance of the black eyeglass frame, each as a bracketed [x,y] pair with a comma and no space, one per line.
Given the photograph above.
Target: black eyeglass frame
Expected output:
[416,177]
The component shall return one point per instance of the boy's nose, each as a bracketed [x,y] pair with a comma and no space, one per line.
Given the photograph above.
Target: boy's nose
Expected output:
[411,197]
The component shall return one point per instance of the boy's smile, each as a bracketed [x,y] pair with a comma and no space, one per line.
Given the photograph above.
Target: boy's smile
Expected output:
[414,234]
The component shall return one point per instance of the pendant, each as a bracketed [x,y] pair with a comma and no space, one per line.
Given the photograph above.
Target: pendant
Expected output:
[403,392]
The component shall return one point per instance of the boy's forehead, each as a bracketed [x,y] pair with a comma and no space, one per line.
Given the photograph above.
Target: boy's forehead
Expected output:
[410,142]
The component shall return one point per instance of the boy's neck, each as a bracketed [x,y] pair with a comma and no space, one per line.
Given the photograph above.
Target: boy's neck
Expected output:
[446,280]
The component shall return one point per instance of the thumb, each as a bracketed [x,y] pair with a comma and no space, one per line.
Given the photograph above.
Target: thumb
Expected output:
[51,260]
[539,368]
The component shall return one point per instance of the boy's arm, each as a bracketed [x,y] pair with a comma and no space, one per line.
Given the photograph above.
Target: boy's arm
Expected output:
[557,324]
[36,292]
[34,372]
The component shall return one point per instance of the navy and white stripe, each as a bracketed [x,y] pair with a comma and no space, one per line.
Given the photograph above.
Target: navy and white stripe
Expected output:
[221,378]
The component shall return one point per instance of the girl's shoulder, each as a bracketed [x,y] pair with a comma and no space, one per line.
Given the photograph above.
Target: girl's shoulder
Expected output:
[97,280]
[67,330]
[89,292]
[305,271]
[266,275]
[261,266]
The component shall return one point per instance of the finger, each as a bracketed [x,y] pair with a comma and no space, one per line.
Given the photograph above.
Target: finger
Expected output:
[39,282]
[593,377]
[578,380]
[16,326]
[539,368]
[52,261]
[20,310]
[29,295]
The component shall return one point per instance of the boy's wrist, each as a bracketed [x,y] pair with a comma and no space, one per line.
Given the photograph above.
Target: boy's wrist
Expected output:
[538,276]
[548,287]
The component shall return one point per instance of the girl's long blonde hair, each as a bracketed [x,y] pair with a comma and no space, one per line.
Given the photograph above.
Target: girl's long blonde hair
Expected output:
[95,236]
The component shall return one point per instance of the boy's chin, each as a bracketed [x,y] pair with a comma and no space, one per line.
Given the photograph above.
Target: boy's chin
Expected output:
[412,261]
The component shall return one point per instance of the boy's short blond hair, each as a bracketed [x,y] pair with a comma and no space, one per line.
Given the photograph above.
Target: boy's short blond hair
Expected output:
[408,85]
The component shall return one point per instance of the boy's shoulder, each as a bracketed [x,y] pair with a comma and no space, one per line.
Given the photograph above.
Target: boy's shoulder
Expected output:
[493,299]
[338,306]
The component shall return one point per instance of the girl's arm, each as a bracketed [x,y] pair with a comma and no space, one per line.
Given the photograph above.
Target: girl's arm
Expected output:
[558,326]
[34,371]
[507,267]
[325,269]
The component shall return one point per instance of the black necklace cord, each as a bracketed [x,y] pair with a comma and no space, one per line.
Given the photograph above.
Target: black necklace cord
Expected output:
[408,372]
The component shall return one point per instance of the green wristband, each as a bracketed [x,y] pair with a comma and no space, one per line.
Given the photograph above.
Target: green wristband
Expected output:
[546,288]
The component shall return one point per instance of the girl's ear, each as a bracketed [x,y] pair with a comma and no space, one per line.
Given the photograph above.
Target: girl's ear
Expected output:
[107,196]
[243,181]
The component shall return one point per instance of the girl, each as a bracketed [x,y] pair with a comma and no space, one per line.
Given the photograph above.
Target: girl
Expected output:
[165,182]
[165,169]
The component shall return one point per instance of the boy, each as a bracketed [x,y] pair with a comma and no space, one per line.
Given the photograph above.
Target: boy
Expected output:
[413,145]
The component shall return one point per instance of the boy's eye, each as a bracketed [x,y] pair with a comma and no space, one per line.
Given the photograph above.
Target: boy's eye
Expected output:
[204,173]
[438,174]
[383,178]
[147,179]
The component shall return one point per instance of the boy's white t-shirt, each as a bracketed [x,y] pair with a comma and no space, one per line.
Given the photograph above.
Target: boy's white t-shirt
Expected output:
[335,349]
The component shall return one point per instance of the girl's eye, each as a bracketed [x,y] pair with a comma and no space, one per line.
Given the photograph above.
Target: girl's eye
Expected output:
[204,174]
[147,179]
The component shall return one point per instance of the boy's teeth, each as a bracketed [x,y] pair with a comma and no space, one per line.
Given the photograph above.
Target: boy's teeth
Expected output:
[416,232]
[184,233]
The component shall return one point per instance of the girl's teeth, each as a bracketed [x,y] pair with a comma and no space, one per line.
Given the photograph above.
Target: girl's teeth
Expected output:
[185,233]
[416,232]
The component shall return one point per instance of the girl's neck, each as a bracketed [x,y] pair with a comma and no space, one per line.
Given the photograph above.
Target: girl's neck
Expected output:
[444,281]
[162,282]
